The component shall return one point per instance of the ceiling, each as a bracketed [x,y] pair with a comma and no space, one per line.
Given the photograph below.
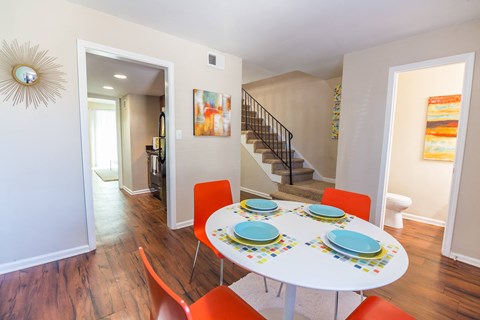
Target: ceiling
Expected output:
[279,36]
[141,79]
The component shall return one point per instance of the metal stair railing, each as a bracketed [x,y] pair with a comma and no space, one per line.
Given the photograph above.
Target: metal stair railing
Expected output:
[268,129]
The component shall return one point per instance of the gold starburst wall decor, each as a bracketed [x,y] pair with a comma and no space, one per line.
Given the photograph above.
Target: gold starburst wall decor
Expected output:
[28,74]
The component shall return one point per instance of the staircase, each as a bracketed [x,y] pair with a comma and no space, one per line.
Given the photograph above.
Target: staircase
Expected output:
[278,160]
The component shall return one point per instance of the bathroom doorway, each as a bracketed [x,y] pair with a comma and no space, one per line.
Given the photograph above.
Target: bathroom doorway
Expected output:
[405,138]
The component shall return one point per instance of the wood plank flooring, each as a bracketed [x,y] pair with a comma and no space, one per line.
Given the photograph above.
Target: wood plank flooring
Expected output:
[109,283]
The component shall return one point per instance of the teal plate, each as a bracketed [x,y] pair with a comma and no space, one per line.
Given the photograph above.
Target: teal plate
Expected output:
[354,241]
[256,231]
[370,256]
[325,211]
[261,204]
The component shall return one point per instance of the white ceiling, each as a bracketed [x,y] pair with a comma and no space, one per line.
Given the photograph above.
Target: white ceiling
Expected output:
[279,36]
[141,79]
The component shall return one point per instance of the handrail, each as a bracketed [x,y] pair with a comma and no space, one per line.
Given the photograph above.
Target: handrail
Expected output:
[268,129]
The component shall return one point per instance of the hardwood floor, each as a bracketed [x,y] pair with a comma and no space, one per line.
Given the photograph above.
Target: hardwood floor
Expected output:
[109,283]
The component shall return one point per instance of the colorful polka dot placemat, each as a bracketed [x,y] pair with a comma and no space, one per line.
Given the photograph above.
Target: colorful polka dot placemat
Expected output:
[260,255]
[339,223]
[371,266]
[252,216]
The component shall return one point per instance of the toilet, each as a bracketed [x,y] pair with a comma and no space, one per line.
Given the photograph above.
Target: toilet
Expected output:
[396,203]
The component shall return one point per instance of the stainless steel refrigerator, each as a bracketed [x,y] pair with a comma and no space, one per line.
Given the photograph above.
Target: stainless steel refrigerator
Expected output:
[158,163]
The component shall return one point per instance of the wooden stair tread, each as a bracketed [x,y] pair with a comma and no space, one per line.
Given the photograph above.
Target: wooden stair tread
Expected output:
[311,189]
[294,171]
[267,150]
[273,161]
[314,185]
[290,197]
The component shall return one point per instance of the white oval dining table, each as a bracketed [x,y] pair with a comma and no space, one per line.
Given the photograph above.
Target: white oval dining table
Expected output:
[300,259]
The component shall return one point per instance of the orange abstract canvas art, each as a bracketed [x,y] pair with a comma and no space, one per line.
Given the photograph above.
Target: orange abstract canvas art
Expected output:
[211,113]
[443,113]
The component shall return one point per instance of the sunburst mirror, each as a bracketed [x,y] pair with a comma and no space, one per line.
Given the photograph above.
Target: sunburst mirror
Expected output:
[29,75]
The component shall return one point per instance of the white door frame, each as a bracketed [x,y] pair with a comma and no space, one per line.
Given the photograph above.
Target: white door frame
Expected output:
[468,59]
[84,47]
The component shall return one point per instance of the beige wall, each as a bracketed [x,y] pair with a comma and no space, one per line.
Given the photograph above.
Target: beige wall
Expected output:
[427,182]
[54,184]
[365,82]
[144,113]
[253,177]
[302,103]
[140,122]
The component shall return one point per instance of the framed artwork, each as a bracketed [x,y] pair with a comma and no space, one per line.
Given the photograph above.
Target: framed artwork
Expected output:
[211,112]
[443,113]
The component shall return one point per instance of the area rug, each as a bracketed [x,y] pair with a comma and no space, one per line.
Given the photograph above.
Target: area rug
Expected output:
[107,174]
[311,304]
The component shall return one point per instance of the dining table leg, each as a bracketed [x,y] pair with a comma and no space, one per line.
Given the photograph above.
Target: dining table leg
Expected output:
[335,316]
[289,308]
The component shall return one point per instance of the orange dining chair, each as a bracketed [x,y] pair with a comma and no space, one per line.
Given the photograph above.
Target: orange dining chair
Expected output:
[353,203]
[219,303]
[208,197]
[376,308]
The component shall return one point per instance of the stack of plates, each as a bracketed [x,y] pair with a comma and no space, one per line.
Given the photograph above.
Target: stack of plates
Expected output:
[325,212]
[259,205]
[353,244]
[254,233]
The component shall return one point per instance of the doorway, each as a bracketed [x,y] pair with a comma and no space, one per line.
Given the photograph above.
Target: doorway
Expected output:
[394,75]
[85,48]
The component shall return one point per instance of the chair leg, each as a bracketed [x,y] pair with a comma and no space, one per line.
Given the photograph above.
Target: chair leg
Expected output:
[221,271]
[265,282]
[279,290]
[336,306]
[361,295]
[194,261]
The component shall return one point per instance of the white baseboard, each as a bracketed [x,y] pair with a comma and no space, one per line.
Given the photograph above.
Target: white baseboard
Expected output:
[42,259]
[183,224]
[257,193]
[468,260]
[331,180]
[133,193]
[414,217]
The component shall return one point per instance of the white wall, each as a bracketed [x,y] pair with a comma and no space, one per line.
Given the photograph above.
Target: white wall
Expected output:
[41,151]
[426,182]
[303,104]
[252,177]
[365,82]
[127,180]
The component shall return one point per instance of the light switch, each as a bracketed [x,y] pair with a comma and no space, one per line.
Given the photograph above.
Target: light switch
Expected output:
[178,134]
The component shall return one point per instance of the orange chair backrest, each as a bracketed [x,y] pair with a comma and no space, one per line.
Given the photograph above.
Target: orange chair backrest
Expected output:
[208,197]
[353,203]
[165,304]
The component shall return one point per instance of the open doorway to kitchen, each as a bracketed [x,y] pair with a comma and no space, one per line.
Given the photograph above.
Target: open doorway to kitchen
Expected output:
[142,88]
[420,86]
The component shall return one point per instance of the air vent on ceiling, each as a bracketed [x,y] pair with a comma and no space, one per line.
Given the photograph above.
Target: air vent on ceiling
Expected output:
[216,60]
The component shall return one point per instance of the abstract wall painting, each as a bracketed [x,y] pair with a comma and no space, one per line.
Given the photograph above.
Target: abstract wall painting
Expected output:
[443,113]
[211,113]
